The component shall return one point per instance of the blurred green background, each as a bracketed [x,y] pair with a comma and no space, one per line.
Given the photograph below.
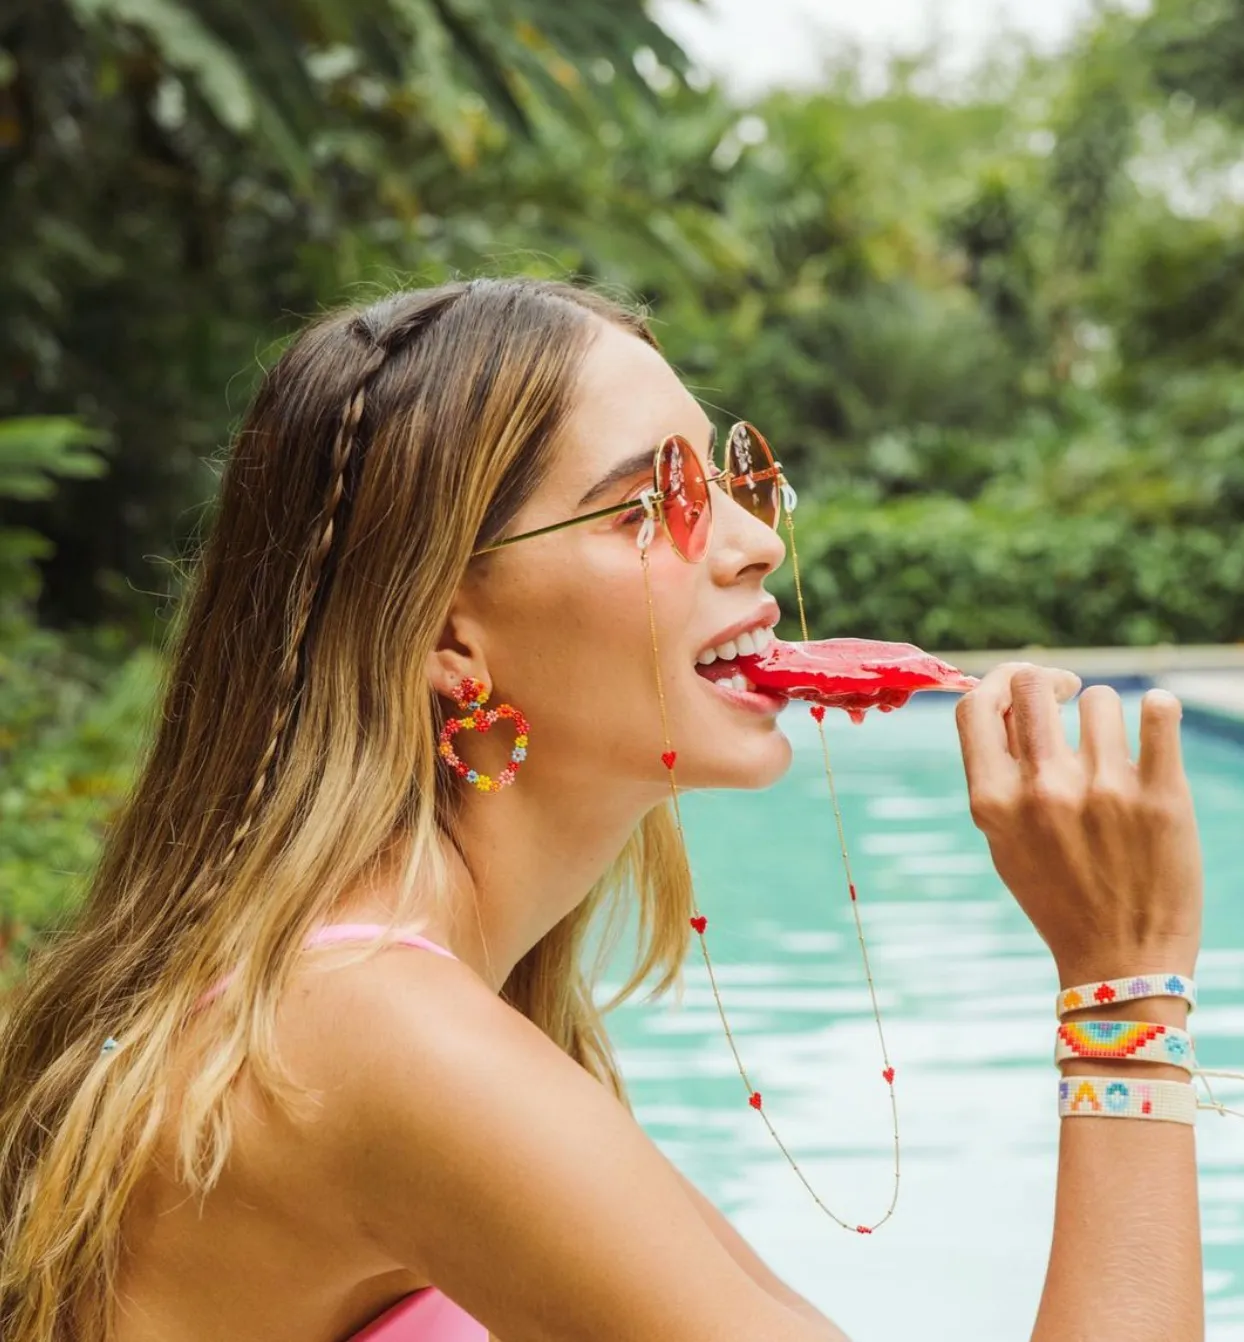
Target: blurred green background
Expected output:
[994,331]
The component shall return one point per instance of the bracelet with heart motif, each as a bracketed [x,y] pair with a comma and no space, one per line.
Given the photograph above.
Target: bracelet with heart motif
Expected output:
[1125,1040]
[1109,992]
[1108,1097]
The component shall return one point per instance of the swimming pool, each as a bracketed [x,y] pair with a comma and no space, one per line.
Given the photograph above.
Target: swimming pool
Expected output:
[966,993]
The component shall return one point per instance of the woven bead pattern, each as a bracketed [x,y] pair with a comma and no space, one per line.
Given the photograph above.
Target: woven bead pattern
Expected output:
[1111,991]
[1108,1097]
[1125,1040]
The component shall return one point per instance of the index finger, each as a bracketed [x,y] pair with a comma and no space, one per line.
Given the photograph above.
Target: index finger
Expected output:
[1036,693]
[981,716]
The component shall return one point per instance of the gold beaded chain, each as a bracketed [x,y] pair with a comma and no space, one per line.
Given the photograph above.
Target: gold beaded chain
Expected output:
[700,923]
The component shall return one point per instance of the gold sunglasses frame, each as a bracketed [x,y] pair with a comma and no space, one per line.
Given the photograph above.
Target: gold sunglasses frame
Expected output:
[653,499]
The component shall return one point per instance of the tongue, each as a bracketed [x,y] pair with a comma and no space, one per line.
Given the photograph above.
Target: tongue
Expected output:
[853,674]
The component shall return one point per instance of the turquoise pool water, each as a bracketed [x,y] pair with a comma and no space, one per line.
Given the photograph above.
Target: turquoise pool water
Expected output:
[966,992]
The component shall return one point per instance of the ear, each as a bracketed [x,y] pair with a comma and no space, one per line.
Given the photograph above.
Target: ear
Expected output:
[459,653]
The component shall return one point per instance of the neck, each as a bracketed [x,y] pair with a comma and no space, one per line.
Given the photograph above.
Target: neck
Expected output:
[530,855]
[530,860]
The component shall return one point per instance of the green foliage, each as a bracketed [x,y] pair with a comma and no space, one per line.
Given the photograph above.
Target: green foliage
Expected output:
[943,572]
[278,73]
[67,716]
[181,183]
[73,713]
[994,337]
[33,453]
[1197,50]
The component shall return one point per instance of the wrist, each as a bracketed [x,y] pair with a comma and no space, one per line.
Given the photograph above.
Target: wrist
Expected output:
[1159,1010]
[1128,1070]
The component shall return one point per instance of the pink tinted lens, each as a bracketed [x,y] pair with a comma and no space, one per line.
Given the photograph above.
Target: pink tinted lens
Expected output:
[687,506]
[753,475]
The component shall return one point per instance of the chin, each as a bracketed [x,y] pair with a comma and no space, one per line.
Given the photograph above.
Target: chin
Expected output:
[754,766]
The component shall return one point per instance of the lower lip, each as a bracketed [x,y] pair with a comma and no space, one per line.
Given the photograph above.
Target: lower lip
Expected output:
[754,701]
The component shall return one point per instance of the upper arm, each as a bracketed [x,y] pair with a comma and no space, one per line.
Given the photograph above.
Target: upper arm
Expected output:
[477,1154]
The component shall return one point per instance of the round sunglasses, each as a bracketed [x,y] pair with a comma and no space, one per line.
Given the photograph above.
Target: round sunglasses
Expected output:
[680,498]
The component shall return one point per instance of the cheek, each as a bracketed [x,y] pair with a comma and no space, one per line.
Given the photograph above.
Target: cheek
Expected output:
[574,649]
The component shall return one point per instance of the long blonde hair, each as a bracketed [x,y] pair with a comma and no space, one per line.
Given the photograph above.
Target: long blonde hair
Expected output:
[295,745]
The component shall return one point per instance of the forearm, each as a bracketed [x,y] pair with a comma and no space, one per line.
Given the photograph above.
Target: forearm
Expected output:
[1125,1264]
[826,1330]
[757,1269]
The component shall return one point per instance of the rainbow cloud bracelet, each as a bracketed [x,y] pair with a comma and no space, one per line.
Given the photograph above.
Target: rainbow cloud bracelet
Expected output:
[1125,1040]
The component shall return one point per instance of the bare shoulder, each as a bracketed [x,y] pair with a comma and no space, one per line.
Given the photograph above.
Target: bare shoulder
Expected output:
[474,1153]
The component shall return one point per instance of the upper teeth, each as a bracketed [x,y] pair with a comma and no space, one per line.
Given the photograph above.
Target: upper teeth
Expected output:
[744,645]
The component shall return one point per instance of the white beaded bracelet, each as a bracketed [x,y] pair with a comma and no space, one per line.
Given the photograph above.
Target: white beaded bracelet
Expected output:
[1108,1097]
[1125,1041]
[1112,991]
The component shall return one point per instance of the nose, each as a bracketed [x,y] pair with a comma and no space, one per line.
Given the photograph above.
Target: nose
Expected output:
[742,544]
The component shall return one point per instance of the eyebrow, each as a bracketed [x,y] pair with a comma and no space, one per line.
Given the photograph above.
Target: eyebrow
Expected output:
[635,465]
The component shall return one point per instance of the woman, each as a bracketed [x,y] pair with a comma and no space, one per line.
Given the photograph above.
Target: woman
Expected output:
[218,1122]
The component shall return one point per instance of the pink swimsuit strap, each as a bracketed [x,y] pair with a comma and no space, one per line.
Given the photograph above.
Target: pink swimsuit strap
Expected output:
[426,1315]
[423,1316]
[334,932]
[331,932]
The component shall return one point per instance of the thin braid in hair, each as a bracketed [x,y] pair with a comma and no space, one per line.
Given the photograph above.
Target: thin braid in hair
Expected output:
[383,338]
[343,448]
[385,331]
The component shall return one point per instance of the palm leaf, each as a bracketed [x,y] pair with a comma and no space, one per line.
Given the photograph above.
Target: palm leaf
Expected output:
[251,62]
[37,448]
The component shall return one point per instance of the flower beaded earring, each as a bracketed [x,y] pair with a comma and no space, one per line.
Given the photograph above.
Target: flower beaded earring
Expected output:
[472,695]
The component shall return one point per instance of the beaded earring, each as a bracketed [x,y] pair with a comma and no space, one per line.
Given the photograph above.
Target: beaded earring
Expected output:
[699,921]
[471,694]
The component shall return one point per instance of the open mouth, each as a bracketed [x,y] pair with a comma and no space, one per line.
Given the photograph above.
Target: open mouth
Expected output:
[723,665]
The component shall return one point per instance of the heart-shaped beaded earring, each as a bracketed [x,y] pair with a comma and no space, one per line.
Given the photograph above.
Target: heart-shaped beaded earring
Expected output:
[472,695]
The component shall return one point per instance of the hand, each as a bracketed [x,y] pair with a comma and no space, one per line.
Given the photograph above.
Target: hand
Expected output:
[1100,852]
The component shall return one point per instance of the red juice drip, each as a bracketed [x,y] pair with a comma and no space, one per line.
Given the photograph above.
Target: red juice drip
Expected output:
[854,674]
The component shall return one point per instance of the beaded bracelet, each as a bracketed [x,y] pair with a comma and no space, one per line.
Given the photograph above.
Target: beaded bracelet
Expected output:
[1126,990]
[1108,1097]
[1125,1040]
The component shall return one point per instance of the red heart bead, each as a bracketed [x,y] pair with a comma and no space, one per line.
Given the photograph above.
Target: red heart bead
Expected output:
[889,1074]
[668,758]
[1104,993]
[818,712]
[699,923]
[754,1099]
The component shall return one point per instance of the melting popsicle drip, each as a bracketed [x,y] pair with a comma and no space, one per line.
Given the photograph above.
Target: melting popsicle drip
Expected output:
[854,674]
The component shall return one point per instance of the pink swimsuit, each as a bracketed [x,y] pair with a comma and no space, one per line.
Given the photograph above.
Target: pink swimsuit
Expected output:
[422,1316]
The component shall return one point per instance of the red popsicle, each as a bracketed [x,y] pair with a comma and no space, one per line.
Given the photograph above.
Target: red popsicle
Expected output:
[854,674]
